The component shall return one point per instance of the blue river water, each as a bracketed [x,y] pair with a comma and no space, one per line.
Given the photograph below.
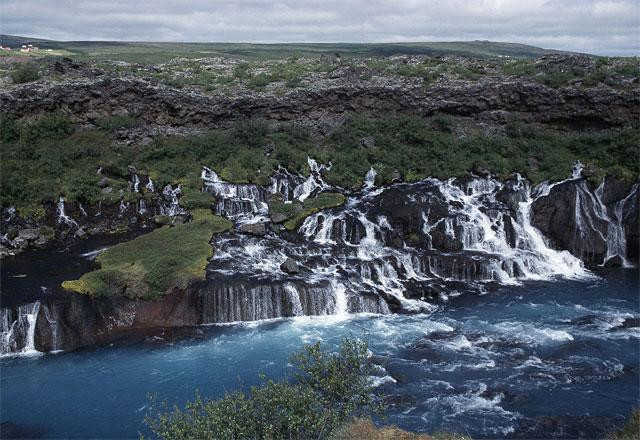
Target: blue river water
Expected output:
[541,359]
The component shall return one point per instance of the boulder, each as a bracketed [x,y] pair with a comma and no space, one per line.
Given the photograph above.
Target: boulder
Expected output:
[257,229]
[12,232]
[29,234]
[368,142]
[278,217]
[290,266]
[162,220]
[103,182]
[615,261]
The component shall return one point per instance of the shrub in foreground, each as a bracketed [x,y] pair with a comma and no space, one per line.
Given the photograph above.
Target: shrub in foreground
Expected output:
[327,391]
[24,73]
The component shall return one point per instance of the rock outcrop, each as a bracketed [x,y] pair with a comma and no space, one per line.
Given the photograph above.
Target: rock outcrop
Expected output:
[168,110]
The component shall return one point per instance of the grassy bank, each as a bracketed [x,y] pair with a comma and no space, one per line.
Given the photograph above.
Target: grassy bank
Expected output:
[154,264]
[47,157]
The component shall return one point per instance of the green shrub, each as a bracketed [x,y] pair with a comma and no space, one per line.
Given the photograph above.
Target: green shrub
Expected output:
[25,72]
[115,122]
[242,71]
[328,390]
[630,430]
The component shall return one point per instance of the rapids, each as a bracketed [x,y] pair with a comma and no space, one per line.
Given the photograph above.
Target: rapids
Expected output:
[539,360]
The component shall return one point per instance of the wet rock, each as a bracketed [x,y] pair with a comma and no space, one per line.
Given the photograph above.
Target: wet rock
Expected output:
[290,266]
[481,170]
[162,220]
[103,182]
[257,229]
[615,261]
[12,232]
[4,252]
[179,219]
[396,176]
[80,233]
[28,234]
[278,217]
[555,216]
[20,243]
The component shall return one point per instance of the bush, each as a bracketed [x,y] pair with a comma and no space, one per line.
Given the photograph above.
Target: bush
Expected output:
[328,390]
[24,73]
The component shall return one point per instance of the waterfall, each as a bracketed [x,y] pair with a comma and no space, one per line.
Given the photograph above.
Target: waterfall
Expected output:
[18,335]
[122,208]
[370,179]
[314,183]
[142,207]
[136,183]
[340,293]
[62,217]
[171,196]
[149,185]
[294,299]
[616,239]
[82,211]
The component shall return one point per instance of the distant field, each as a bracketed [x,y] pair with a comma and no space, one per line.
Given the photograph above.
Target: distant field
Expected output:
[161,52]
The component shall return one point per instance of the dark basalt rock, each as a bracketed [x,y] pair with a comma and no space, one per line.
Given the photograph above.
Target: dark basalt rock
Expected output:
[558,218]
[290,266]
[615,261]
[257,229]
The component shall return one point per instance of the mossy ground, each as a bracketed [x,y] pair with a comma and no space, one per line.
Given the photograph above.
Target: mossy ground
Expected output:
[153,264]
[296,212]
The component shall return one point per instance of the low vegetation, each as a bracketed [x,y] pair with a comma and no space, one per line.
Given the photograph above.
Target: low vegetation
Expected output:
[24,72]
[153,264]
[327,390]
[47,157]
[365,429]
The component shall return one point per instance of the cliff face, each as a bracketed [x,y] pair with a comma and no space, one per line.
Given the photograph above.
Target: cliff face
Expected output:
[319,104]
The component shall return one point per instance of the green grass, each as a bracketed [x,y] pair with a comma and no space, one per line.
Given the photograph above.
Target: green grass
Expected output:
[156,263]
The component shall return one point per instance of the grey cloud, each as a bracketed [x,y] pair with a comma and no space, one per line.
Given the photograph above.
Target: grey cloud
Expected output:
[609,27]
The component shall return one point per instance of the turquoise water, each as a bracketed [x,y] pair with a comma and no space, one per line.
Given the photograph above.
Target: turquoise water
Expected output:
[489,365]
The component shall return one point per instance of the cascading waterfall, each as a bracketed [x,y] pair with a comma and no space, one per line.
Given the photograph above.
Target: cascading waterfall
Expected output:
[481,231]
[173,207]
[241,202]
[284,183]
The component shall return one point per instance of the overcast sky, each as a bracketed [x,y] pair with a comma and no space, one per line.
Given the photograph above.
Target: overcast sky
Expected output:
[607,27]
